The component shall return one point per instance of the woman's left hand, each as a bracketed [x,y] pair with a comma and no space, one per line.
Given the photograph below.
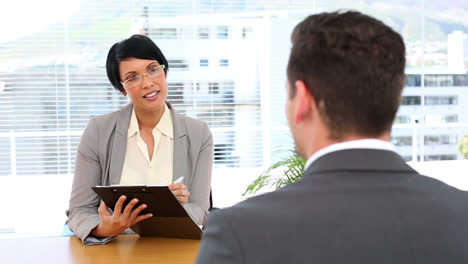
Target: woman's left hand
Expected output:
[180,191]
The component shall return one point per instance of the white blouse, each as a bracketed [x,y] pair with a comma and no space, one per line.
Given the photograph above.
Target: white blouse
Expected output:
[138,168]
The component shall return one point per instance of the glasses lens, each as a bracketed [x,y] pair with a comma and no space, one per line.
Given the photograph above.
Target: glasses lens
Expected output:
[134,81]
[155,72]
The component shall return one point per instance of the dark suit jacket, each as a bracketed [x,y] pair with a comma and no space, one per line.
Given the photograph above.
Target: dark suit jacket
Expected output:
[351,206]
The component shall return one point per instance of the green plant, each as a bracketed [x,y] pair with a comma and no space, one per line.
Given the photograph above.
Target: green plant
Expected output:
[463,146]
[292,168]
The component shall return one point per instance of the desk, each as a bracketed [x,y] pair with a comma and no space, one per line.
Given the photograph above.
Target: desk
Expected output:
[123,249]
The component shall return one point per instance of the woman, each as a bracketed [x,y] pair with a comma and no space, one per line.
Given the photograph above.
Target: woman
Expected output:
[146,142]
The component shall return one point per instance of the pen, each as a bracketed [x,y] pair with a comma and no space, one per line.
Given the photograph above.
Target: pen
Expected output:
[179,179]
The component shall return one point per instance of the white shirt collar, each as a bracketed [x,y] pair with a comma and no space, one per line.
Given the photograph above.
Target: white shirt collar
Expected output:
[165,125]
[368,143]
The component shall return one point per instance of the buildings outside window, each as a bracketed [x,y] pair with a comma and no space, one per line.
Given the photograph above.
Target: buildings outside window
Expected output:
[203,32]
[440,157]
[402,119]
[204,63]
[163,33]
[178,64]
[440,139]
[413,80]
[402,140]
[247,32]
[411,100]
[213,88]
[440,100]
[223,62]
[222,32]
[450,118]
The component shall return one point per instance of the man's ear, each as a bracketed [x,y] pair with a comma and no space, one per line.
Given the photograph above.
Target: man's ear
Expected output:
[305,103]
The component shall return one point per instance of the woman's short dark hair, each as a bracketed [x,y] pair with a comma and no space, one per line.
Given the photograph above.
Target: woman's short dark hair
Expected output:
[136,46]
[353,65]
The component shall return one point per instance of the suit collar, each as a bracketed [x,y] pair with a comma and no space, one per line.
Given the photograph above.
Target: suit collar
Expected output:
[180,129]
[359,160]
[123,119]
[180,144]
[365,143]
[165,125]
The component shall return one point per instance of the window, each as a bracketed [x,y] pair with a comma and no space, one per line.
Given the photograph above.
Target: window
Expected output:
[213,88]
[247,32]
[450,119]
[204,63]
[402,120]
[178,65]
[411,100]
[402,140]
[162,33]
[413,80]
[460,80]
[438,80]
[440,139]
[176,91]
[222,32]
[204,33]
[223,62]
[440,100]
[440,157]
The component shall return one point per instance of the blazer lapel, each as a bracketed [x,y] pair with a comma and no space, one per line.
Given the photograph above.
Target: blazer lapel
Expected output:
[180,145]
[119,145]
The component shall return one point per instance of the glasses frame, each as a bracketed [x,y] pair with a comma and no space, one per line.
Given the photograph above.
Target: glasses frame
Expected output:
[140,76]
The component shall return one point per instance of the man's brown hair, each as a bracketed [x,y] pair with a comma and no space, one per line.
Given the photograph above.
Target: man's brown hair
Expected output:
[353,65]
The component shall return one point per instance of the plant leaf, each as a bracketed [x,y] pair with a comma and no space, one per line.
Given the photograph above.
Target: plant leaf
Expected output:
[292,168]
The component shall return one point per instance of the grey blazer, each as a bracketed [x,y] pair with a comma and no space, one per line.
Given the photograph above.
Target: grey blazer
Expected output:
[352,206]
[100,158]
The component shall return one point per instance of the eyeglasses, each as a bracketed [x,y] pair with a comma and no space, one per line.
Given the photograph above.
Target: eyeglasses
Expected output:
[138,79]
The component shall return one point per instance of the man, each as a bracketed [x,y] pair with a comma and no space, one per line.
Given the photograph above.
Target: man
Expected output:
[358,201]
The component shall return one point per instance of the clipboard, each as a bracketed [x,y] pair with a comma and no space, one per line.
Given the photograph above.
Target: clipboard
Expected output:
[169,217]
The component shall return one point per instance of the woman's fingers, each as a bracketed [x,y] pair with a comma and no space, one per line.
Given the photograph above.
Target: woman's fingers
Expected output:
[180,191]
[137,211]
[119,206]
[103,210]
[182,198]
[128,209]
[142,217]
[176,186]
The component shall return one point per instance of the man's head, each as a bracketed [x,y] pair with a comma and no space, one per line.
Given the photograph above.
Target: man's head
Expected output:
[351,67]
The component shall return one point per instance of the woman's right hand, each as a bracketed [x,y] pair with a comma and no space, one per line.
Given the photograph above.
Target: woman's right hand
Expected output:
[114,224]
